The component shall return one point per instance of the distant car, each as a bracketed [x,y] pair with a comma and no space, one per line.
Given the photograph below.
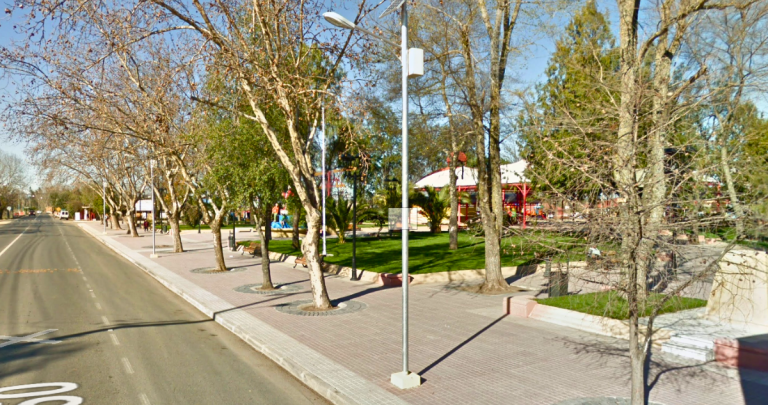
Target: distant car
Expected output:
[31,213]
[39,212]
[64,215]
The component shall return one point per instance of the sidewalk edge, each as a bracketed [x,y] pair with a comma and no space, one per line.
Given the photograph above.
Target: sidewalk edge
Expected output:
[232,321]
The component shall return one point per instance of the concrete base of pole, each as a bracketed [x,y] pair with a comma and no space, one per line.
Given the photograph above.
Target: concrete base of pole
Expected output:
[153,256]
[405,380]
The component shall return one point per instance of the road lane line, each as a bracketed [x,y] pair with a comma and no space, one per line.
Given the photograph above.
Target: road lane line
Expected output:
[144,399]
[93,295]
[98,306]
[127,365]
[105,320]
[114,340]
[14,241]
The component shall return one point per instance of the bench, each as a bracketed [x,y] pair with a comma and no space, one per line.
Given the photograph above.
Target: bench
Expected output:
[300,260]
[254,249]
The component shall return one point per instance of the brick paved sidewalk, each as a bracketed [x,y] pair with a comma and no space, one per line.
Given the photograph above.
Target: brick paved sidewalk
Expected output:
[461,345]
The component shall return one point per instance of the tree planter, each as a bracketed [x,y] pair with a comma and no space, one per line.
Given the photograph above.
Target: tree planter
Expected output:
[393,280]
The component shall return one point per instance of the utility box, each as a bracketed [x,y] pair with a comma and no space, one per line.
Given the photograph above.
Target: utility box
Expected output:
[415,62]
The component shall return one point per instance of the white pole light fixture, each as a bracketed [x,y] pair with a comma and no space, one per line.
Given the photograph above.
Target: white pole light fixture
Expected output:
[412,61]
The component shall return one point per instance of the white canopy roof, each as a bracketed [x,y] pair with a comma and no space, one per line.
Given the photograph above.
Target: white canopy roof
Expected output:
[510,174]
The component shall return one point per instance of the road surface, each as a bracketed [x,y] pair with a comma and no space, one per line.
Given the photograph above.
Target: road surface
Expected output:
[73,312]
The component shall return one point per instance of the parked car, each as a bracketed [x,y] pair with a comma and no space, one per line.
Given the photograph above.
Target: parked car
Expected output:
[31,213]
[64,215]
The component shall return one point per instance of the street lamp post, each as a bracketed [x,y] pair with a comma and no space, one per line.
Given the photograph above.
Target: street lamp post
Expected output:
[152,190]
[353,159]
[323,181]
[104,208]
[412,62]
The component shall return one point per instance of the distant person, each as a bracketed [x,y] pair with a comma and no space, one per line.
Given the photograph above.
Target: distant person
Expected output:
[146,225]
[275,212]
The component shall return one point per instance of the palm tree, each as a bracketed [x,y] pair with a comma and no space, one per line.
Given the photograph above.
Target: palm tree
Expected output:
[340,211]
[434,205]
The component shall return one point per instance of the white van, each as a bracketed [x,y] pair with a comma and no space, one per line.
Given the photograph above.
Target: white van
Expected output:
[64,215]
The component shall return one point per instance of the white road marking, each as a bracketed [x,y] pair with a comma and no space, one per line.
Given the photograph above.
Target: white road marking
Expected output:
[93,295]
[127,365]
[87,285]
[98,306]
[29,339]
[63,387]
[144,399]
[114,341]
[85,279]
[14,241]
[105,320]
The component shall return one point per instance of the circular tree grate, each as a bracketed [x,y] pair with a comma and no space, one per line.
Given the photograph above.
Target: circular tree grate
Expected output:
[214,270]
[342,308]
[280,289]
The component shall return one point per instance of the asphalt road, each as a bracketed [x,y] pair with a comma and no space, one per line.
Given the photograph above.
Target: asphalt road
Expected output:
[122,337]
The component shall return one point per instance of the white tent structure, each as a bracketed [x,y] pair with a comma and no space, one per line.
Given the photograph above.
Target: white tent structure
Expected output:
[467,177]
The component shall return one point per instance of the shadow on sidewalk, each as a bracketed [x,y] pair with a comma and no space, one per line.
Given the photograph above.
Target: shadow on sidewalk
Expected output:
[460,345]
[678,372]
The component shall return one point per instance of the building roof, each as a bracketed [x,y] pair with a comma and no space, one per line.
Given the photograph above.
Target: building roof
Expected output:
[510,174]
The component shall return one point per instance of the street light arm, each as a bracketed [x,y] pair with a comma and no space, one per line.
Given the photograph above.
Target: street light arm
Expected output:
[379,37]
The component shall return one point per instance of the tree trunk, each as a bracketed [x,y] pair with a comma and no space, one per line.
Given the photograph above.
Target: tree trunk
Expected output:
[737,208]
[266,275]
[309,247]
[453,224]
[132,224]
[218,248]
[113,217]
[295,237]
[637,355]
[173,220]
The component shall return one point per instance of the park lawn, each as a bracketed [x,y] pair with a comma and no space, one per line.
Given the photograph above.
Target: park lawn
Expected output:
[429,253]
[610,304]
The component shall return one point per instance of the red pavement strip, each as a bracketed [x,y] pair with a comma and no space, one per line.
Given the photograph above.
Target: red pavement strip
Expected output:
[462,345]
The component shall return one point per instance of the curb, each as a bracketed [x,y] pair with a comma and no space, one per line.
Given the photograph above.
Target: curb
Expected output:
[334,382]
[526,307]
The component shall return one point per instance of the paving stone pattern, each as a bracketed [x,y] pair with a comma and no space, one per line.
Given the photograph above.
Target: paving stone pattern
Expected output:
[461,345]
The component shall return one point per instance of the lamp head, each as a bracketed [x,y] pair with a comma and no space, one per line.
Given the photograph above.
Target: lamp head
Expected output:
[338,20]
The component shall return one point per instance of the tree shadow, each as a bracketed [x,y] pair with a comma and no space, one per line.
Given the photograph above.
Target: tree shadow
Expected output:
[677,372]
[460,345]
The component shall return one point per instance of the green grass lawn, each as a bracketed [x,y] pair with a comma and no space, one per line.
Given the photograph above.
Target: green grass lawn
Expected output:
[429,252]
[610,304]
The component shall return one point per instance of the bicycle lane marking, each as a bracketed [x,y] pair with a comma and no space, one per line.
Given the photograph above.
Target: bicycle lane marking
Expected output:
[14,241]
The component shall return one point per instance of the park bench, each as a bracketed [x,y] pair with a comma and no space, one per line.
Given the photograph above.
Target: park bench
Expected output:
[303,261]
[254,249]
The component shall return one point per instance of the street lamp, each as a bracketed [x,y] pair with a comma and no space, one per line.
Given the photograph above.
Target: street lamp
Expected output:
[104,209]
[353,160]
[323,181]
[152,190]
[412,61]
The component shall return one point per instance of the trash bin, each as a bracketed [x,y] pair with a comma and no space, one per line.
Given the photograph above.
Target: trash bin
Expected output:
[164,228]
[232,242]
[558,283]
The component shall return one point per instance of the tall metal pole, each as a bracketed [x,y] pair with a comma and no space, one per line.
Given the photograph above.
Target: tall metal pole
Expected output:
[104,210]
[354,225]
[404,179]
[323,171]
[152,189]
